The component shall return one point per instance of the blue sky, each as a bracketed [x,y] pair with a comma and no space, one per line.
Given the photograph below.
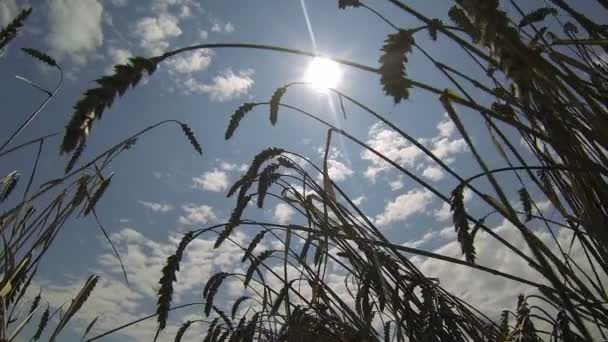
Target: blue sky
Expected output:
[161,188]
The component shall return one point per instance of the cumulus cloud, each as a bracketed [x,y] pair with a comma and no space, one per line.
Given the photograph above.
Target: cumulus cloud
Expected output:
[404,206]
[154,32]
[396,184]
[224,87]
[487,292]
[218,27]
[447,233]
[116,303]
[75,28]
[283,213]
[390,144]
[188,63]
[433,173]
[226,166]
[215,181]
[157,207]
[444,145]
[396,148]
[197,214]
[359,200]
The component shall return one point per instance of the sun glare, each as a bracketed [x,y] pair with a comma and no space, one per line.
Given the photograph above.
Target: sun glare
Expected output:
[322,74]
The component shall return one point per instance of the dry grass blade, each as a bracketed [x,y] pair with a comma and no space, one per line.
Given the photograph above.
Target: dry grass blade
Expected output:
[89,327]
[96,100]
[245,182]
[75,306]
[186,239]
[255,263]
[254,242]
[192,138]
[235,219]
[12,280]
[526,203]
[165,292]
[459,17]
[343,4]
[237,303]
[44,319]
[41,56]
[536,16]
[392,65]
[75,157]
[267,177]
[211,289]
[9,183]
[225,318]
[327,185]
[274,104]
[461,224]
[182,330]
[35,302]
[236,118]
[10,31]
[97,195]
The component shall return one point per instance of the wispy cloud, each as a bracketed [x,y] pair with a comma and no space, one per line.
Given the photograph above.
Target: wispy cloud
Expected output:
[214,181]
[197,214]
[403,206]
[226,86]
[75,28]
[157,207]
[283,213]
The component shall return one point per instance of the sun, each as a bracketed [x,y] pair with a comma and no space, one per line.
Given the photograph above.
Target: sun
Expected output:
[322,74]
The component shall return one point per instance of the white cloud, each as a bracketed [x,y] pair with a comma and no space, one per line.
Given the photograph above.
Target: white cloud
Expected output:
[359,200]
[116,304]
[433,173]
[157,207]
[396,184]
[390,144]
[338,171]
[224,87]
[201,214]
[188,63]
[154,32]
[490,293]
[404,206]
[446,128]
[444,145]
[76,29]
[233,166]
[283,213]
[219,27]
[229,28]
[215,181]
[443,213]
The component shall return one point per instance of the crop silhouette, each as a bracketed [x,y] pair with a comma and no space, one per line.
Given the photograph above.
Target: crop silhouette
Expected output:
[30,224]
[550,90]
[546,88]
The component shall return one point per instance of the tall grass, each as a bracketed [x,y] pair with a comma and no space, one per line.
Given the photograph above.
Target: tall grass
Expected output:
[549,87]
[31,219]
